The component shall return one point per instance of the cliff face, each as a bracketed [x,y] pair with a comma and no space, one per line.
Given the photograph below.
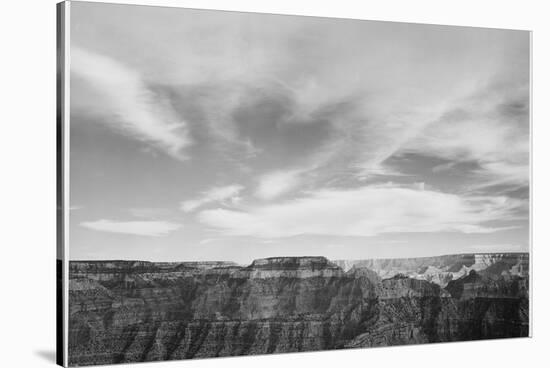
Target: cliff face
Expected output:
[139,311]
[442,269]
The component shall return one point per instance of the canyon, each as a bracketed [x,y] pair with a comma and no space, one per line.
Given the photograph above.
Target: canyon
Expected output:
[133,311]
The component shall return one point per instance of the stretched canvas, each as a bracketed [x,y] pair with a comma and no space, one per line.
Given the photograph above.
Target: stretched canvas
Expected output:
[238,183]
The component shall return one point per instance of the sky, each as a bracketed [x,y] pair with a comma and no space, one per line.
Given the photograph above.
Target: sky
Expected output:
[210,135]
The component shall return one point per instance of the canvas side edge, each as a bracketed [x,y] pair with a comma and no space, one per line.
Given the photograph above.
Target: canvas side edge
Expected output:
[62,179]
[531,201]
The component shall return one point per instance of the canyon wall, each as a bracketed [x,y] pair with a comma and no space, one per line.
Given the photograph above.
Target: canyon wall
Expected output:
[130,311]
[442,269]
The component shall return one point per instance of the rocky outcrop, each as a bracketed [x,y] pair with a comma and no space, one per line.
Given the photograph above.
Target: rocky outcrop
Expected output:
[294,267]
[124,311]
[442,269]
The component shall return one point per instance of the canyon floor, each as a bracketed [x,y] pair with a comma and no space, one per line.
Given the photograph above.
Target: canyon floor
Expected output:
[135,311]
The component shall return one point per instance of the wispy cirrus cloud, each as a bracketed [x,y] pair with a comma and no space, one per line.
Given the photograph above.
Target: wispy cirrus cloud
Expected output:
[366,211]
[217,194]
[144,228]
[128,103]
[303,119]
[489,127]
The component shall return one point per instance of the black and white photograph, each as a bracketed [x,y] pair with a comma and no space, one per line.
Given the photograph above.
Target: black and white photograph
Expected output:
[275,183]
[246,184]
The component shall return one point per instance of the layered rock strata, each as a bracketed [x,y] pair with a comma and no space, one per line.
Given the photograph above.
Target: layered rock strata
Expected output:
[125,311]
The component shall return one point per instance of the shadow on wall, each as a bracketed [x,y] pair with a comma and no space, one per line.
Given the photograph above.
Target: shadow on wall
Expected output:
[48,355]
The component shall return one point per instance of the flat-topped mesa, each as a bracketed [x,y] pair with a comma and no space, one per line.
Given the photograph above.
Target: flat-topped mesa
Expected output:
[143,266]
[128,271]
[315,262]
[109,265]
[299,267]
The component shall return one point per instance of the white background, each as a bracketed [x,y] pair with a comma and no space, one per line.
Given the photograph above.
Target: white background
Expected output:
[27,206]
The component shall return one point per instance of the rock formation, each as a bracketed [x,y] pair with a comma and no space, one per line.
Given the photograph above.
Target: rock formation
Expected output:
[442,269]
[130,311]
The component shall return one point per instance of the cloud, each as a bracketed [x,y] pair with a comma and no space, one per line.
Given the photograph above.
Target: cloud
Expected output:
[366,211]
[376,97]
[489,127]
[277,183]
[145,228]
[132,107]
[216,194]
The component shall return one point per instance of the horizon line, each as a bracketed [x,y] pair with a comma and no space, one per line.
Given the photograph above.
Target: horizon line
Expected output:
[311,256]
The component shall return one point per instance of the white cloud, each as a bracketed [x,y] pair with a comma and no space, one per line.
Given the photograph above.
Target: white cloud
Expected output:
[217,194]
[277,183]
[392,92]
[491,128]
[365,211]
[503,173]
[131,106]
[145,228]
